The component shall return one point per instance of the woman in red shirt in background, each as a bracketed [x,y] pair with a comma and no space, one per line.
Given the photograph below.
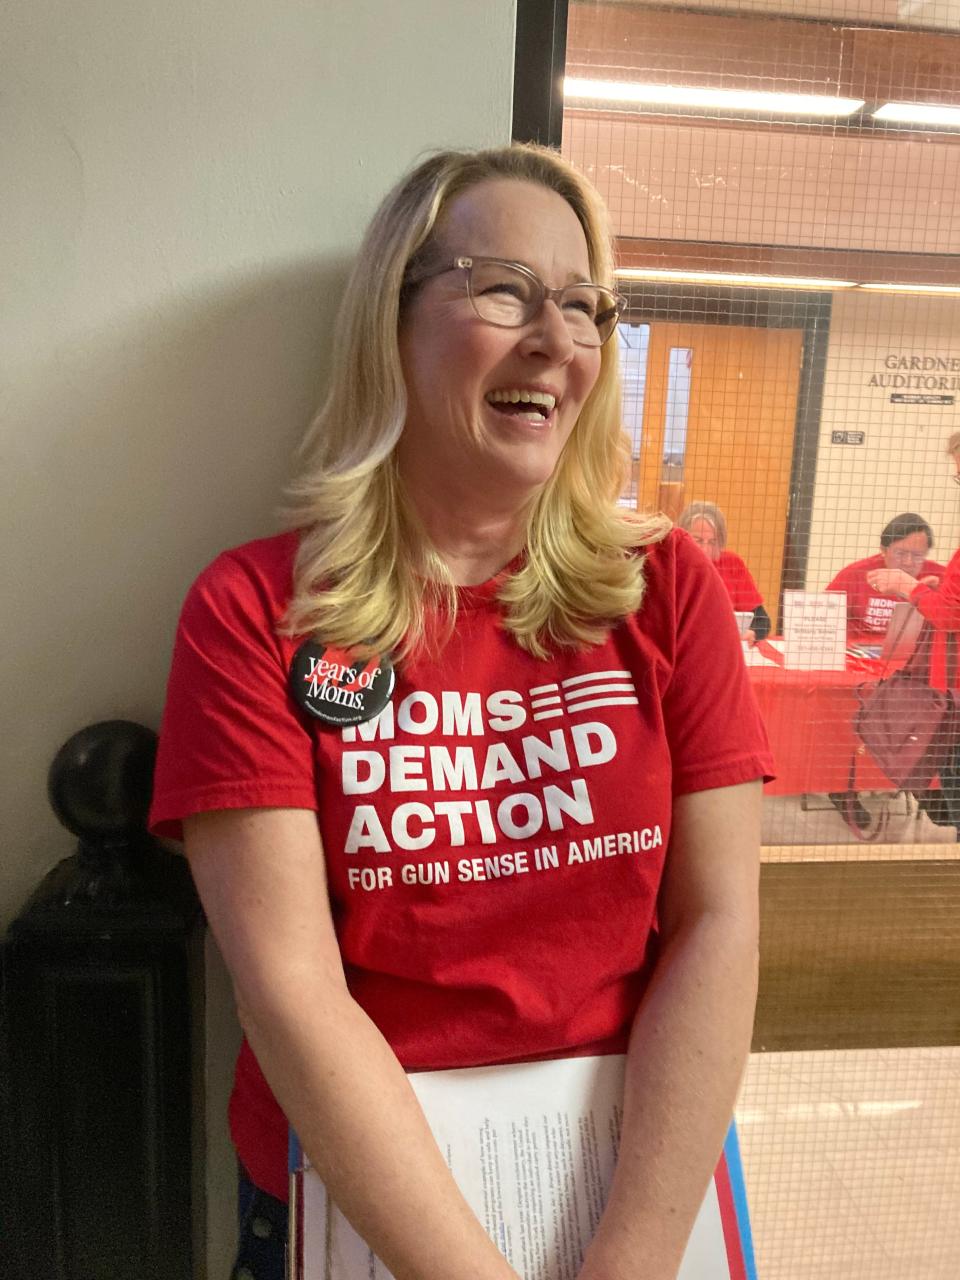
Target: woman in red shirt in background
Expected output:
[940,605]
[706,524]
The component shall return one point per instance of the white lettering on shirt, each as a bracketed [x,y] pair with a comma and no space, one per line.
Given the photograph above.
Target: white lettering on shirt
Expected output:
[506,710]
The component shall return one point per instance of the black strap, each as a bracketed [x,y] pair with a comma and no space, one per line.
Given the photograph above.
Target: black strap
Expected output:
[917,664]
[916,656]
[760,623]
[951,639]
[880,829]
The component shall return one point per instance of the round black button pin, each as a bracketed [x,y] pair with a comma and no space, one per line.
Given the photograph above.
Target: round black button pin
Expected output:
[337,687]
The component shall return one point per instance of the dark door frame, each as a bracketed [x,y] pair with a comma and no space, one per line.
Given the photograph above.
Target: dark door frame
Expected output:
[540,55]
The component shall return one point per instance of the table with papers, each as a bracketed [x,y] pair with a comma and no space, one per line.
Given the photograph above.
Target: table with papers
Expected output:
[809,720]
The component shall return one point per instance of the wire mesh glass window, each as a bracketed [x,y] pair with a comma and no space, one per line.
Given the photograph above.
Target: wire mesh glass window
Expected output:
[784,184]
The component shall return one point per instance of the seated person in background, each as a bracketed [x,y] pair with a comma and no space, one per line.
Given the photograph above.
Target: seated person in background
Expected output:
[939,604]
[870,584]
[873,587]
[707,526]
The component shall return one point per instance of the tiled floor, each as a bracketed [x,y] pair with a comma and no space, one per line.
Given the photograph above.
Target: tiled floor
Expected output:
[814,822]
[852,1163]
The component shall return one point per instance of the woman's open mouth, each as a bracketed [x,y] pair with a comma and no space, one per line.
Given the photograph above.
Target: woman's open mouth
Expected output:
[531,406]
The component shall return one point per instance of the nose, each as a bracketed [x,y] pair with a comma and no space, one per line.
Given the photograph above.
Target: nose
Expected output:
[548,334]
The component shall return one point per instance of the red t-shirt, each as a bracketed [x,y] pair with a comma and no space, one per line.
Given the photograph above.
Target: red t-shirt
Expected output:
[736,577]
[941,607]
[534,797]
[868,611]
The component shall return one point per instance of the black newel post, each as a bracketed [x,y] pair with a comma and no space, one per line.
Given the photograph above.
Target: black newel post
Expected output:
[102,991]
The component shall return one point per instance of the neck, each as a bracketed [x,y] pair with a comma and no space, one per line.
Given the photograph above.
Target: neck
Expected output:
[475,536]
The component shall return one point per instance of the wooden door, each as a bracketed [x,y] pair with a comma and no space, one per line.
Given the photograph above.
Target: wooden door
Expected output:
[738,446]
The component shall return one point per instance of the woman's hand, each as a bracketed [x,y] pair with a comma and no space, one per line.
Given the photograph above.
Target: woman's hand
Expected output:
[892,582]
[751,637]
[262,879]
[690,1037]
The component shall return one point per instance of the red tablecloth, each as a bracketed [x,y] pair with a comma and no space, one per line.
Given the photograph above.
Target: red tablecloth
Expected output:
[809,717]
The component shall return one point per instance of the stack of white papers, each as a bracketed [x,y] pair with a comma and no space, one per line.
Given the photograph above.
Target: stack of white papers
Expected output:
[533,1149]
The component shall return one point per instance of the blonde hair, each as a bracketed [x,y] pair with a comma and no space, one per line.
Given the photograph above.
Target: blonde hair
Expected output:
[366,574]
[710,512]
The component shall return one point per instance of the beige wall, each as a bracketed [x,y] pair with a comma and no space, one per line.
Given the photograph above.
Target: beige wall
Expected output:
[183,186]
[900,466]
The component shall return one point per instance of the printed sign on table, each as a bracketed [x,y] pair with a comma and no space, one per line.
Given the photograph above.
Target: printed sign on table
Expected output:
[815,630]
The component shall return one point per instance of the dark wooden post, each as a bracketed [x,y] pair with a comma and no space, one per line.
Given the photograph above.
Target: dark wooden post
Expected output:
[101,997]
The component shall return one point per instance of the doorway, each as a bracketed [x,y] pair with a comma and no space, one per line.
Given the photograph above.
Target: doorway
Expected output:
[718,423]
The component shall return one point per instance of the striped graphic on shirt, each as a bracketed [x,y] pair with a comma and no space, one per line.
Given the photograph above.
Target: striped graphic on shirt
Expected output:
[583,693]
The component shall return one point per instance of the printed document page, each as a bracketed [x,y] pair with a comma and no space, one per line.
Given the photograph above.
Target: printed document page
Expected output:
[815,630]
[533,1148]
[757,657]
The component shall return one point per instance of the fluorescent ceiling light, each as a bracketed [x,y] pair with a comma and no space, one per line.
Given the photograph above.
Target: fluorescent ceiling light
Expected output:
[666,95]
[919,113]
[734,278]
[950,290]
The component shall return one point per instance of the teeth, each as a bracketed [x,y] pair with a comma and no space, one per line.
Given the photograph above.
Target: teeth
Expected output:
[523,397]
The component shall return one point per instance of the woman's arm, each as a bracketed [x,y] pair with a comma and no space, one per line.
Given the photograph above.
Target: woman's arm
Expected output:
[690,1037]
[941,607]
[262,880]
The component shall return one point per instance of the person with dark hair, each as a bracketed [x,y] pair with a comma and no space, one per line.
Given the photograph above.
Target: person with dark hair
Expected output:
[873,587]
[939,603]
[707,526]
[904,546]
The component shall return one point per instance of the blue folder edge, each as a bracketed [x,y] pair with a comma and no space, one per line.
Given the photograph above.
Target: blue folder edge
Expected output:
[738,1188]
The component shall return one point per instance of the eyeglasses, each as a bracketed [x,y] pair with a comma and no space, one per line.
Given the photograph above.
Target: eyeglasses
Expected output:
[509,296]
[907,557]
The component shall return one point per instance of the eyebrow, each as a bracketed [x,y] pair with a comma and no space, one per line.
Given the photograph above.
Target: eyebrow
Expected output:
[573,277]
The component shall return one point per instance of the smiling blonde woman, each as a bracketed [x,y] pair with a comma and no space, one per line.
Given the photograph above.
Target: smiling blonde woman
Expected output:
[462,650]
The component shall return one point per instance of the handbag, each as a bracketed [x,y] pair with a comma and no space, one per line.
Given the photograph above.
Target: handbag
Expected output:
[908,727]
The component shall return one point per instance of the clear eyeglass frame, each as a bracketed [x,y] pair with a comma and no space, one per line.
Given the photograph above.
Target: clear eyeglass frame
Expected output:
[609,315]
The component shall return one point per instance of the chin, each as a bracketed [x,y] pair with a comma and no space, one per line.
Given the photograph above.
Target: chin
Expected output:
[529,478]
[530,466]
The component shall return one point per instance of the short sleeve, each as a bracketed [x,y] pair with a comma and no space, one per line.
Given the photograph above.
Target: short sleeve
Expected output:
[231,737]
[941,605]
[852,579]
[711,719]
[743,591]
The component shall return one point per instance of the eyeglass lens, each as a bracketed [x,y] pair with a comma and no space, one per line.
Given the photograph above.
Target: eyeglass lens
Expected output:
[504,296]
